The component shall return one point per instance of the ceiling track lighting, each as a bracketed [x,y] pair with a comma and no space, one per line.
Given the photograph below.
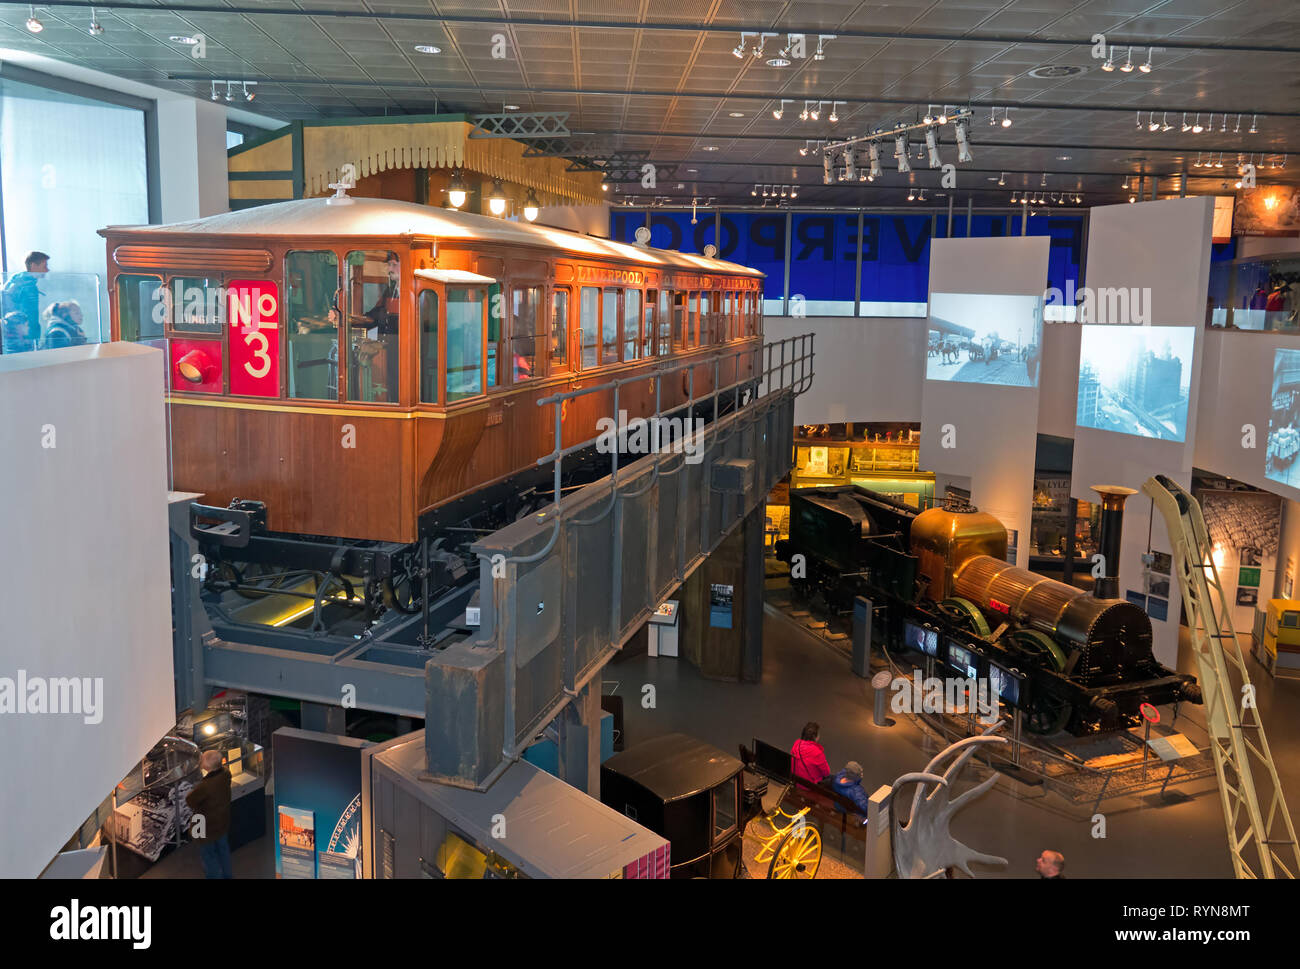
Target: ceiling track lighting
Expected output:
[215,95]
[249,95]
[95,28]
[834,118]
[1164,122]
[1197,127]
[820,54]
[1006,117]
[1146,68]
[900,153]
[33,24]
[826,169]
[1110,60]
[1128,62]
[932,147]
[964,153]
[757,51]
[1253,129]
[778,112]
[1153,124]
[1186,127]
[739,49]
[1002,179]
[873,152]
[929,115]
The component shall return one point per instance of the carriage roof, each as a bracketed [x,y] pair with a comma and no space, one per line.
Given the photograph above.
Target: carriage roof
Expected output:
[674,766]
[388,218]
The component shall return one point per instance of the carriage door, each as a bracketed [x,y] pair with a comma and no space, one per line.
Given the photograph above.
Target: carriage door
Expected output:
[460,317]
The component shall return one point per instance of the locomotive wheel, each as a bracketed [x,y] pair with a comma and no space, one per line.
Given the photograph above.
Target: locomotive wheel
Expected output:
[799,854]
[1041,648]
[966,614]
[1047,714]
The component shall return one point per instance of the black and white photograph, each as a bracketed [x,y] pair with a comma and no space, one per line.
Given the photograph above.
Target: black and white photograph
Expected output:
[1136,380]
[1283,447]
[983,339]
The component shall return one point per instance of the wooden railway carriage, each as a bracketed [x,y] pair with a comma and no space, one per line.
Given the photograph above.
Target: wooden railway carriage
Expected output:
[356,363]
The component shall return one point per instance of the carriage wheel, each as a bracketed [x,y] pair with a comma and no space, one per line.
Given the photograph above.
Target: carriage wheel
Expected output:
[799,854]
[965,614]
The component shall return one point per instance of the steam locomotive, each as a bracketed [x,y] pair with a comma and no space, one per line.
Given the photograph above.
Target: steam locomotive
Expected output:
[1067,659]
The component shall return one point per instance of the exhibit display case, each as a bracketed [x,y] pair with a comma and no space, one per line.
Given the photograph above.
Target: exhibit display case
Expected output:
[1259,293]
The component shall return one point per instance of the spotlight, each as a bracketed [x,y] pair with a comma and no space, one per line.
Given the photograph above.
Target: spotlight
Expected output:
[794,191]
[754,191]
[1197,163]
[765,192]
[820,55]
[1197,127]
[230,95]
[1128,63]
[249,95]
[1110,60]
[1024,198]
[900,153]
[531,206]
[1219,163]
[1237,130]
[1186,126]
[1164,122]
[921,197]
[911,195]
[815,113]
[785,190]
[1238,183]
[1002,179]
[826,169]
[834,118]
[850,167]
[1043,181]
[497,200]
[1224,126]
[95,28]
[963,143]
[929,115]
[943,115]
[803,115]
[215,95]
[34,25]
[932,146]
[739,49]
[1153,124]
[1253,128]
[778,112]
[1013,196]
[456,193]
[873,151]
[1132,199]
[1146,68]
[1125,185]
[1006,117]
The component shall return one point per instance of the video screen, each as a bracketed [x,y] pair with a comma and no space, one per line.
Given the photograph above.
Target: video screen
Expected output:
[1006,685]
[962,660]
[1136,380]
[921,639]
[1280,462]
[982,339]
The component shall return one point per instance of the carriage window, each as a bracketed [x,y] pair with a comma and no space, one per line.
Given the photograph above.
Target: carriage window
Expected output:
[609,326]
[665,321]
[693,320]
[648,331]
[312,324]
[429,346]
[141,307]
[631,324]
[559,330]
[495,329]
[679,320]
[464,343]
[728,315]
[197,305]
[373,278]
[590,322]
[523,332]
[724,809]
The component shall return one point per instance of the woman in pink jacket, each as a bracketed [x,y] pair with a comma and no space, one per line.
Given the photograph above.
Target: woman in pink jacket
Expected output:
[807,758]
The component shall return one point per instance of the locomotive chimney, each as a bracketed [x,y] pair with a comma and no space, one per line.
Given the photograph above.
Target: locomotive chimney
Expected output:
[1112,527]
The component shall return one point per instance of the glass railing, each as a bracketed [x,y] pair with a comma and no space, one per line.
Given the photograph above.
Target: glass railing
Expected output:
[1261,294]
[41,311]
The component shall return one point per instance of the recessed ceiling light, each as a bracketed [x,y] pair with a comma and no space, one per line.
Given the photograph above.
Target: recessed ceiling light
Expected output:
[778,62]
[1064,157]
[510,107]
[992,178]
[692,171]
[710,147]
[427,49]
[736,114]
[1057,70]
[178,39]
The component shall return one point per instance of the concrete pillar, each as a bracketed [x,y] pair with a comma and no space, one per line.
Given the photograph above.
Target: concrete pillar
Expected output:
[724,639]
[323,717]
[578,726]
[192,159]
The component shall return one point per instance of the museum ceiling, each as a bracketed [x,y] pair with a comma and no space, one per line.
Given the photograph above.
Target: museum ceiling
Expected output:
[663,78]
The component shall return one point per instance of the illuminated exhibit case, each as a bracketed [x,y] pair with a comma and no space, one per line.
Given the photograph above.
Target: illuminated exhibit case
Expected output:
[985,339]
[1136,380]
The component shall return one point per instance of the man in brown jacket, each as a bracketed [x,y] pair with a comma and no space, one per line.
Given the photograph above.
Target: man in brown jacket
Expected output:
[210,826]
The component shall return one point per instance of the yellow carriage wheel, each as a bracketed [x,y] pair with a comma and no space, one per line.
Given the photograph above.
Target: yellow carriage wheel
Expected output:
[799,854]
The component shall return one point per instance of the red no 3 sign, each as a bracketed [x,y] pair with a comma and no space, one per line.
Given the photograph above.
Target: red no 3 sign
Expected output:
[254,314]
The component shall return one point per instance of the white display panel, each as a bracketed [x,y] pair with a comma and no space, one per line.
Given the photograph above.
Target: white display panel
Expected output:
[1136,380]
[86,573]
[985,339]
[1282,451]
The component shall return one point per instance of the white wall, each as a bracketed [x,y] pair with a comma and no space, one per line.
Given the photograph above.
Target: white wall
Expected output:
[988,433]
[866,369]
[192,159]
[86,580]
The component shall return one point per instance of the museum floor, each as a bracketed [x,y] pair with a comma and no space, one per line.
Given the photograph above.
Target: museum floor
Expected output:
[807,678]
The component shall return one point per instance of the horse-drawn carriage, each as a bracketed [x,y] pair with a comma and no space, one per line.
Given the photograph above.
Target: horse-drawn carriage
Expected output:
[706,802]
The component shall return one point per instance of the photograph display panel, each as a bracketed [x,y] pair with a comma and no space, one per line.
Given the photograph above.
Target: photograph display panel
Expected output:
[985,339]
[1136,380]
